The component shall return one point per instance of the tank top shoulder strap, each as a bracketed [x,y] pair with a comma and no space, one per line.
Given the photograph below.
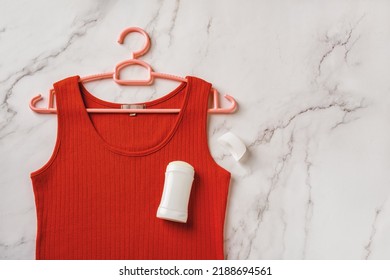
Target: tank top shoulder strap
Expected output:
[195,118]
[198,99]
[68,95]
[70,108]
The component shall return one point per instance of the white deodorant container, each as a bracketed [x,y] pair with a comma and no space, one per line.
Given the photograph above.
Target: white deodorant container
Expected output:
[179,176]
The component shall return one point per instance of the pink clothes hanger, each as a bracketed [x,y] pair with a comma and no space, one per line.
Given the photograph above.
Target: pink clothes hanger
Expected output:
[116,77]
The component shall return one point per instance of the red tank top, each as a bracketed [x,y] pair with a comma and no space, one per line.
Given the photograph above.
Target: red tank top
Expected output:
[97,196]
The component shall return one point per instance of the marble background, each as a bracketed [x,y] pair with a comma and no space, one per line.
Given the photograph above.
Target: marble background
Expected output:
[312,81]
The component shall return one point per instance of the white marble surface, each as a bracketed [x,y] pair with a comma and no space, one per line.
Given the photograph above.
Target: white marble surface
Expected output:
[312,81]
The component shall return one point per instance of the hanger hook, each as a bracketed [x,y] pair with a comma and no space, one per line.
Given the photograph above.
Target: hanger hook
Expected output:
[217,109]
[129,30]
[36,99]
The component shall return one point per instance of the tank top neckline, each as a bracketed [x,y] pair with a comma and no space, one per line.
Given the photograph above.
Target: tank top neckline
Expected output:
[184,87]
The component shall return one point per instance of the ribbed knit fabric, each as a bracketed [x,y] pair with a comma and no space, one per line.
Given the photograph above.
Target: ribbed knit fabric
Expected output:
[97,196]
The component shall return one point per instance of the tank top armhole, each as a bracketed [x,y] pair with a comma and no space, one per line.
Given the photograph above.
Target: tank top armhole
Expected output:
[205,126]
[53,154]
[55,150]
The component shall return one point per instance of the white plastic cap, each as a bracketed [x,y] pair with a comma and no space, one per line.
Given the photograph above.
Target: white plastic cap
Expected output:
[235,146]
[180,166]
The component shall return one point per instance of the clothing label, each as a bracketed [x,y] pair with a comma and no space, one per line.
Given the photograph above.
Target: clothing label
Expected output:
[133,106]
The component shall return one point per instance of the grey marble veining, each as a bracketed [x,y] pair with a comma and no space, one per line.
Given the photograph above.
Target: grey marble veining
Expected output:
[311,79]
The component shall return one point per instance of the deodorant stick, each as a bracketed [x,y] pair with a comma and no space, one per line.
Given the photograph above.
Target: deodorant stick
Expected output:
[179,176]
